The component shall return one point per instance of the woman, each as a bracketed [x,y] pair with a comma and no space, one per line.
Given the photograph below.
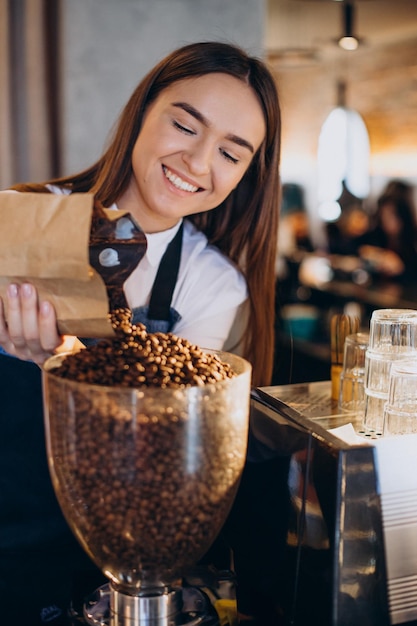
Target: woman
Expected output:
[390,247]
[199,138]
[195,160]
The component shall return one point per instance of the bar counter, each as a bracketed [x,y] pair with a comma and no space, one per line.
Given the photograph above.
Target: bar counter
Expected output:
[350,543]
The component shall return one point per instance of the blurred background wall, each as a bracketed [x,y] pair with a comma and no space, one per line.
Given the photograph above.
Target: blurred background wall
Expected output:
[67,67]
[108,45]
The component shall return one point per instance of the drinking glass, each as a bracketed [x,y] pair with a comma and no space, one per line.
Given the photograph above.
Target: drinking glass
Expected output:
[352,378]
[393,330]
[400,410]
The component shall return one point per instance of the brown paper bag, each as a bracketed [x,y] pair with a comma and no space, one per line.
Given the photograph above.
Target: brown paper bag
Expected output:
[44,240]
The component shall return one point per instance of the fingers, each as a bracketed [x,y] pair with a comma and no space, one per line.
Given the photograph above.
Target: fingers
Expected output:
[11,329]
[31,330]
[4,335]
[50,339]
[16,321]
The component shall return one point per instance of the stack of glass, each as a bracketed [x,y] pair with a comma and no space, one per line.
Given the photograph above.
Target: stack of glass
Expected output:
[392,338]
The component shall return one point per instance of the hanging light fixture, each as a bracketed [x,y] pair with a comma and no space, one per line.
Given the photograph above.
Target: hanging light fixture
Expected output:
[343,157]
[348,40]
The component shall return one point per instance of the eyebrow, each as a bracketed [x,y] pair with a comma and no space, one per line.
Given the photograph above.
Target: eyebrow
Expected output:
[188,108]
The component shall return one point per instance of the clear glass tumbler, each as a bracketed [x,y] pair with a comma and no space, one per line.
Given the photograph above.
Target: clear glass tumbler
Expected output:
[393,330]
[352,378]
[400,410]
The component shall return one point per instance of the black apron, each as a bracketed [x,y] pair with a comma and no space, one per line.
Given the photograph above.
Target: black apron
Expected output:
[159,316]
[42,566]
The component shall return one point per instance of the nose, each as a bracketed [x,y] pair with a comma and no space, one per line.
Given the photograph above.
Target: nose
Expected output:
[198,158]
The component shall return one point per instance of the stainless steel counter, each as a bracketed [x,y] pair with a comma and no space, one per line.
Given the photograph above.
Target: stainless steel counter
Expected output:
[344,544]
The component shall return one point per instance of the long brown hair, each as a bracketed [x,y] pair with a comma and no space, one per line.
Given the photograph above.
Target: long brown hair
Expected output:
[244,226]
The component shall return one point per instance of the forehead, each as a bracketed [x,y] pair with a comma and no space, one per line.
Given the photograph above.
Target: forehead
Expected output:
[228,103]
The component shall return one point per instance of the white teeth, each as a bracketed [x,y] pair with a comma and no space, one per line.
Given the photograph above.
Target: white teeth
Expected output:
[178,182]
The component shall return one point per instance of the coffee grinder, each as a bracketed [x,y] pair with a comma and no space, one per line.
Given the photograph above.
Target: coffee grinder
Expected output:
[145,478]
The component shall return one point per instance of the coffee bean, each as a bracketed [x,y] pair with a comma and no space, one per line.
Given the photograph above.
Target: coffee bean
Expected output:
[135,358]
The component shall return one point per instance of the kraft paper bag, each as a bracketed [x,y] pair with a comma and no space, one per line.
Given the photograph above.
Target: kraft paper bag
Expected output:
[45,240]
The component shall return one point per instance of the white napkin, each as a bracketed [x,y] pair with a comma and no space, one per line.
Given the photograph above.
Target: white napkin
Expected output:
[348,434]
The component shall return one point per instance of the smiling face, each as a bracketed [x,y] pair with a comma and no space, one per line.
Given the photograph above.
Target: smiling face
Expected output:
[196,143]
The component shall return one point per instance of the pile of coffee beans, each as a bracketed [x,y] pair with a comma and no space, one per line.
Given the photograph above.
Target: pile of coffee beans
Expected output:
[135,358]
[146,475]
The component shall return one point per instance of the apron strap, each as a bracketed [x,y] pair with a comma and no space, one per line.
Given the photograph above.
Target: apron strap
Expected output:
[166,279]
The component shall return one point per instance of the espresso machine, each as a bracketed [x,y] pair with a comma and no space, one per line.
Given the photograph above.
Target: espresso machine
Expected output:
[146,478]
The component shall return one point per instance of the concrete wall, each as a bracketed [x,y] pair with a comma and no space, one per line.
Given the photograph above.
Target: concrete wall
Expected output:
[108,45]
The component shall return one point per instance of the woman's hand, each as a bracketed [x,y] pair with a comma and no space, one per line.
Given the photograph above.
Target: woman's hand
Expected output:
[30,332]
[384,261]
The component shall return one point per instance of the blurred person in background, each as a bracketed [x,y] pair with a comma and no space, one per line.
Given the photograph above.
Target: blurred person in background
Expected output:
[346,234]
[390,247]
[294,240]
[350,231]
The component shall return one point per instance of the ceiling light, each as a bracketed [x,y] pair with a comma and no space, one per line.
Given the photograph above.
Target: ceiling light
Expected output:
[343,153]
[348,41]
